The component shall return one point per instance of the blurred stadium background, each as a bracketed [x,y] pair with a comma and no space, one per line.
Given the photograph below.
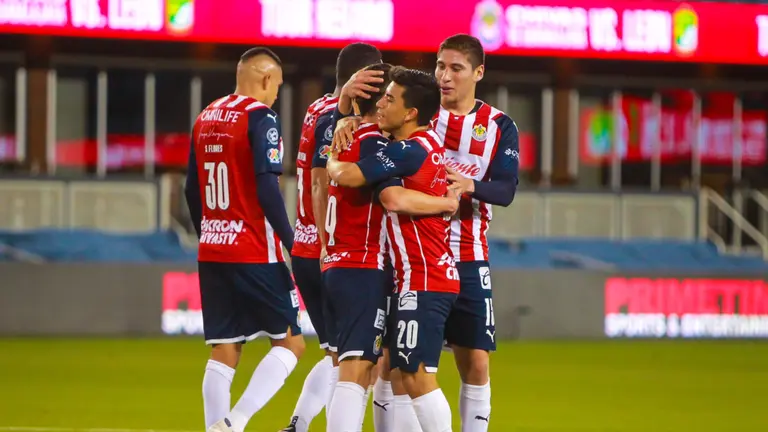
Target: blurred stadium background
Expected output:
[642,211]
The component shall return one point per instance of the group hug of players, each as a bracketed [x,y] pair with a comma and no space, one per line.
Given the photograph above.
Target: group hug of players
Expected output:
[397,174]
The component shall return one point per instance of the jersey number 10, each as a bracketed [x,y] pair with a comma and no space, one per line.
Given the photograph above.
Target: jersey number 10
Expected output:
[217,188]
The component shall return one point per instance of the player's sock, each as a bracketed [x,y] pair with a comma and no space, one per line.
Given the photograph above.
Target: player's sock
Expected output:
[216,396]
[345,407]
[383,407]
[334,381]
[314,394]
[366,398]
[433,411]
[475,407]
[405,419]
[267,379]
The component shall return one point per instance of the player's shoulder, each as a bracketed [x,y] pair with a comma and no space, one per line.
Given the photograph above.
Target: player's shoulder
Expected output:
[427,140]
[502,119]
[323,105]
[368,130]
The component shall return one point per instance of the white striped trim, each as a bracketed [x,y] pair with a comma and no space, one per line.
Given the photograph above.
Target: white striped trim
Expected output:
[235,102]
[351,354]
[252,106]
[220,101]
[246,338]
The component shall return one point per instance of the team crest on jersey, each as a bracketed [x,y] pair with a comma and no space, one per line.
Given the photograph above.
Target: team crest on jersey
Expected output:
[273,136]
[273,155]
[479,132]
[325,151]
[329,133]
[377,345]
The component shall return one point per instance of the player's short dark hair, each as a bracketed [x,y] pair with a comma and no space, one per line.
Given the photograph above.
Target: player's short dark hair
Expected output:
[467,45]
[257,51]
[354,57]
[420,91]
[368,106]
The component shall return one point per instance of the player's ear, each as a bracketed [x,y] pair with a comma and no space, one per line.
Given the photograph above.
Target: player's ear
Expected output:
[479,73]
[411,115]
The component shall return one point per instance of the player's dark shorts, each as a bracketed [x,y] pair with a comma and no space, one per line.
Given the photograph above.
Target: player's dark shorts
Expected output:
[391,305]
[244,301]
[309,279]
[419,331]
[471,323]
[357,303]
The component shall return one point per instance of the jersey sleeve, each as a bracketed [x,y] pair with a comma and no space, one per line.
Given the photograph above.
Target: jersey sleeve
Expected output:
[266,141]
[192,190]
[506,162]
[397,159]
[323,140]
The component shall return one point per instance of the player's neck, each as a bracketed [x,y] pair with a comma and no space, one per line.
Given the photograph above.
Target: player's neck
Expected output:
[461,107]
[242,91]
[369,119]
[407,130]
[336,92]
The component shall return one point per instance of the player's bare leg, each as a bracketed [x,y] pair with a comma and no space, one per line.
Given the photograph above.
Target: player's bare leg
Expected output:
[347,404]
[267,379]
[383,398]
[404,416]
[429,402]
[314,396]
[217,381]
[475,395]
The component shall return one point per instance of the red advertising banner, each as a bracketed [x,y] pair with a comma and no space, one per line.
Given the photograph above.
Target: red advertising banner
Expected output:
[640,126]
[603,29]
[689,308]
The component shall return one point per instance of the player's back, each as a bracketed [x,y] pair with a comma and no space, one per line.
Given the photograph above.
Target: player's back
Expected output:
[355,222]
[306,242]
[420,243]
[233,226]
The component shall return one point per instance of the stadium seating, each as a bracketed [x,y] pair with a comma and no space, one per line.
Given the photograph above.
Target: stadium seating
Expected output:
[540,253]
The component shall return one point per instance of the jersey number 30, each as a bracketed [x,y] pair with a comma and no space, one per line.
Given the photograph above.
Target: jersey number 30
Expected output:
[217,188]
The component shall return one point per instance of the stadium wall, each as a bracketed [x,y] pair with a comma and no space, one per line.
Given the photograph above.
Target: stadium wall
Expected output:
[152,300]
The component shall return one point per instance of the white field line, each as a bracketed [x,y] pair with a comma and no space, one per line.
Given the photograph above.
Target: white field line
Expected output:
[77,429]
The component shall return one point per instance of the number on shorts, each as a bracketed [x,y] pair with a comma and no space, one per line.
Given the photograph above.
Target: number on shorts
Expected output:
[300,175]
[217,189]
[411,332]
[489,319]
[330,220]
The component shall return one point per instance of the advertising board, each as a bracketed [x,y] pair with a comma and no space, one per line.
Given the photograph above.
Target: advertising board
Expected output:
[600,29]
[686,308]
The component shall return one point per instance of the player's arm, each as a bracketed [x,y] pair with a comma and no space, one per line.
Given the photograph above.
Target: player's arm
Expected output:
[501,186]
[395,198]
[397,159]
[192,190]
[265,137]
[323,134]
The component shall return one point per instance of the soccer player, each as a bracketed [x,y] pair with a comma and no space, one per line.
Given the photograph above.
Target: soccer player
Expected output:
[482,155]
[234,200]
[310,236]
[427,277]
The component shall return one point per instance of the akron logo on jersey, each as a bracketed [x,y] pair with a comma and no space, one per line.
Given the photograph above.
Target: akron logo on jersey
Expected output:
[479,132]
[273,155]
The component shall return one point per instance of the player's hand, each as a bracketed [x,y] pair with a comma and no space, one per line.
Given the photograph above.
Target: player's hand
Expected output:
[359,85]
[453,203]
[459,184]
[323,254]
[344,133]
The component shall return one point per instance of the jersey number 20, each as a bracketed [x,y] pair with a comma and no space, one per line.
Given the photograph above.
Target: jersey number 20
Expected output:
[217,188]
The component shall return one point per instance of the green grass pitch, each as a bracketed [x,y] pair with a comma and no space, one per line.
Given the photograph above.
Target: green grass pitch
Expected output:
[554,386]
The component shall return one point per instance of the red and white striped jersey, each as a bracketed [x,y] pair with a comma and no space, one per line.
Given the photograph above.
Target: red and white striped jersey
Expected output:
[235,139]
[313,152]
[472,142]
[355,221]
[421,257]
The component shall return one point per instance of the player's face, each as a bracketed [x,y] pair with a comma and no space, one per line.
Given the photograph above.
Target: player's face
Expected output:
[392,113]
[272,83]
[456,76]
